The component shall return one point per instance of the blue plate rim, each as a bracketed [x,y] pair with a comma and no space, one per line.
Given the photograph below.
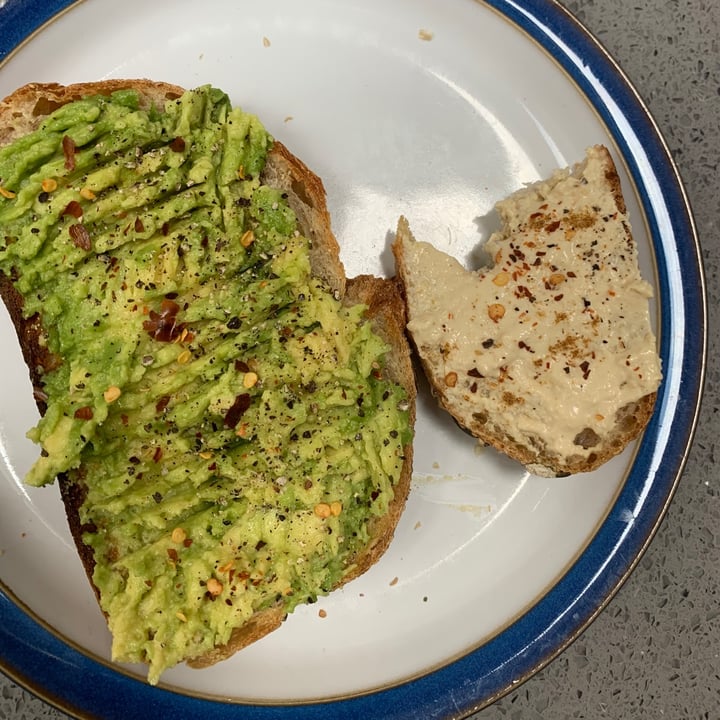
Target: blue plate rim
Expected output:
[64,677]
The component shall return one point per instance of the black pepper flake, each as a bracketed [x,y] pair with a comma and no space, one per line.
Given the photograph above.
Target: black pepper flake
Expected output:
[157,497]
[487,344]
[474,372]
[585,367]
[237,410]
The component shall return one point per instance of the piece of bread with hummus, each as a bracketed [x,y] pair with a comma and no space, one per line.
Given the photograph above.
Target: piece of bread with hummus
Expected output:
[547,353]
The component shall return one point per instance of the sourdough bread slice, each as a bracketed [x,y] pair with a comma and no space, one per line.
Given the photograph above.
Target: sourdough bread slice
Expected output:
[547,354]
[20,114]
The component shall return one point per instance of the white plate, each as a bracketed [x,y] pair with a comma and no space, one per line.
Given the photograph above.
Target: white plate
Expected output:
[435,110]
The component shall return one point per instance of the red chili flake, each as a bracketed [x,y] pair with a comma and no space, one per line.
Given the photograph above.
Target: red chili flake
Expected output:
[473,388]
[237,410]
[162,403]
[523,291]
[585,367]
[73,208]
[177,145]
[69,148]
[165,229]
[84,413]
[163,325]
[124,419]
[187,542]
[558,298]
[157,455]
[80,236]
[139,227]
[553,226]
[241,366]
[172,554]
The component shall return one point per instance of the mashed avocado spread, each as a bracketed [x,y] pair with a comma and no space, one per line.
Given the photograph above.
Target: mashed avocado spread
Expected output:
[226,413]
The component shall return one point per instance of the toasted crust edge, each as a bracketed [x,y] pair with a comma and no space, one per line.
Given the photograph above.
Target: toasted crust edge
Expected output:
[20,113]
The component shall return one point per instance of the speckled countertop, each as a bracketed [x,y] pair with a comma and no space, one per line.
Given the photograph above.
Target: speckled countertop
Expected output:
[655,650]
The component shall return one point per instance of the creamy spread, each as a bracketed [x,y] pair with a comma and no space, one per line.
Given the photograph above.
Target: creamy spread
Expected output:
[554,337]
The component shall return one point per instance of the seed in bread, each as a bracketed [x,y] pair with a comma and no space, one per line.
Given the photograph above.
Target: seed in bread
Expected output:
[548,353]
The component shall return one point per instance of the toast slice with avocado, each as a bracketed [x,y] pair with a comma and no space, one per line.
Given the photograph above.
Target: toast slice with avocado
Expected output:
[547,353]
[229,418]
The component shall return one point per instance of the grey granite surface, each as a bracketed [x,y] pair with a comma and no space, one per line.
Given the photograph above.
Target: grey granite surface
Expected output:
[654,652]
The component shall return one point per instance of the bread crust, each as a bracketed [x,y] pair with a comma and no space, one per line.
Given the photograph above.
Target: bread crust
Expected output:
[20,113]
